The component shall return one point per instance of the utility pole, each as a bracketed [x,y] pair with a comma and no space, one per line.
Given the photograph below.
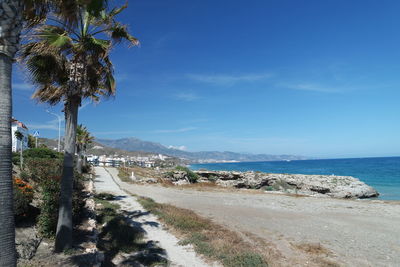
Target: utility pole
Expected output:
[59,129]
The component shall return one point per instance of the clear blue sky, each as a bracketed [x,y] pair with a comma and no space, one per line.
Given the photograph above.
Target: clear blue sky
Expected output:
[315,78]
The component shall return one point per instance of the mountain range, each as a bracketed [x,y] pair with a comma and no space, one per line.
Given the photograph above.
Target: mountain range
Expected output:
[135,144]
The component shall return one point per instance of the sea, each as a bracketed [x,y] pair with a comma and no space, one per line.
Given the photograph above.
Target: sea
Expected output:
[381,173]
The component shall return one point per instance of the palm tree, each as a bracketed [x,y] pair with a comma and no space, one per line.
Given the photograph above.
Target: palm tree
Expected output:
[69,64]
[83,139]
[20,137]
[13,14]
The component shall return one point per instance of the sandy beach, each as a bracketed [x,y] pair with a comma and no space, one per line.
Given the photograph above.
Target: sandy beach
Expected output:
[349,232]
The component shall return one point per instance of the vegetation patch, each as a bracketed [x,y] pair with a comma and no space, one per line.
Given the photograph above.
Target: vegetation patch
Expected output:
[124,175]
[209,239]
[23,196]
[280,185]
[191,176]
[107,210]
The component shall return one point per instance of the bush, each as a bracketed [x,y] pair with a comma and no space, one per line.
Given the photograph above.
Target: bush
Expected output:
[50,195]
[23,196]
[78,197]
[15,158]
[193,177]
[43,153]
[43,169]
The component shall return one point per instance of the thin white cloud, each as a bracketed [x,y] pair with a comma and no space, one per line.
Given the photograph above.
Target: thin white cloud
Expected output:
[314,87]
[112,133]
[184,148]
[181,130]
[187,96]
[50,125]
[23,86]
[229,80]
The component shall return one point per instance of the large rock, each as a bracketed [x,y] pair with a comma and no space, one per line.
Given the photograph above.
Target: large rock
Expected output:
[178,177]
[329,185]
[27,242]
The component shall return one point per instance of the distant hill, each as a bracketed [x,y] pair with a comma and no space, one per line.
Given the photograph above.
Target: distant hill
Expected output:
[135,144]
[97,149]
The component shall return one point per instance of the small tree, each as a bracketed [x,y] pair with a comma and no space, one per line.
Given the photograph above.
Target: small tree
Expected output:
[31,141]
[20,137]
[83,139]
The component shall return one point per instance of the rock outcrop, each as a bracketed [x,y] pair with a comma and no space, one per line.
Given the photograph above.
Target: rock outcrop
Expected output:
[328,185]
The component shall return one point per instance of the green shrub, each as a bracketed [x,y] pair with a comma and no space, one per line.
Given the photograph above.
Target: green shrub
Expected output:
[193,177]
[43,169]
[47,173]
[50,194]
[212,178]
[245,260]
[78,197]
[43,153]
[24,175]
[15,158]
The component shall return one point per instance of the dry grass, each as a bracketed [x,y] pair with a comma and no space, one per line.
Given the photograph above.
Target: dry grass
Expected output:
[318,254]
[313,248]
[125,173]
[209,239]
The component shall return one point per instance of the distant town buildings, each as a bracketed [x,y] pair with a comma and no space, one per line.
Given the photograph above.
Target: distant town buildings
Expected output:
[141,161]
[17,126]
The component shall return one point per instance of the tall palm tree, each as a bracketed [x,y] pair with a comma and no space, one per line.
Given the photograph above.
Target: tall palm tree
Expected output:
[69,64]
[83,139]
[13,14]
[11,23]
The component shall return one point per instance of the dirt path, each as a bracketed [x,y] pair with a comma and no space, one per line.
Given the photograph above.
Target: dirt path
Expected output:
[176,254]
[356,232]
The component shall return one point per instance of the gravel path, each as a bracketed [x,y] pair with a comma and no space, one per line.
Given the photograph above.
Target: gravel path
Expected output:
[176,254]
[356,232]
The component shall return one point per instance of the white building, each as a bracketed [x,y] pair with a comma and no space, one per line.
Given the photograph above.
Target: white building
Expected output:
[149,164]
[20,127]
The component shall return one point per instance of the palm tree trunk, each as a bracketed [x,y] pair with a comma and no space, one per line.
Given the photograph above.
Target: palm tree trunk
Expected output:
[7,227]
[64,224]
[11,24]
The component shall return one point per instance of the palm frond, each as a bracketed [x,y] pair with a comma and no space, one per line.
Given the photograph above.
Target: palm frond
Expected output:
[119,33]
[54,36]
[49,93]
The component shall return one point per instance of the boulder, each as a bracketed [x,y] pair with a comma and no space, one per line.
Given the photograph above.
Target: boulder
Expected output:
[27,241]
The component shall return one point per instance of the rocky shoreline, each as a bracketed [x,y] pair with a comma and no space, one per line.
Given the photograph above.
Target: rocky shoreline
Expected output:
[315,185]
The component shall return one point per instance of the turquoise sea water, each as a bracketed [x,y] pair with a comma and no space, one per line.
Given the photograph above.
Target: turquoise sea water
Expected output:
[381,173]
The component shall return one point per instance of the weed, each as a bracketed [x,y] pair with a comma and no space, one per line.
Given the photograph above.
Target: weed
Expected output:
[108,210]
[245,260]
[104,196]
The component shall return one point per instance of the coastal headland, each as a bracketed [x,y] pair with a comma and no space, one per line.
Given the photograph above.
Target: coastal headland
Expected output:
[311,185]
